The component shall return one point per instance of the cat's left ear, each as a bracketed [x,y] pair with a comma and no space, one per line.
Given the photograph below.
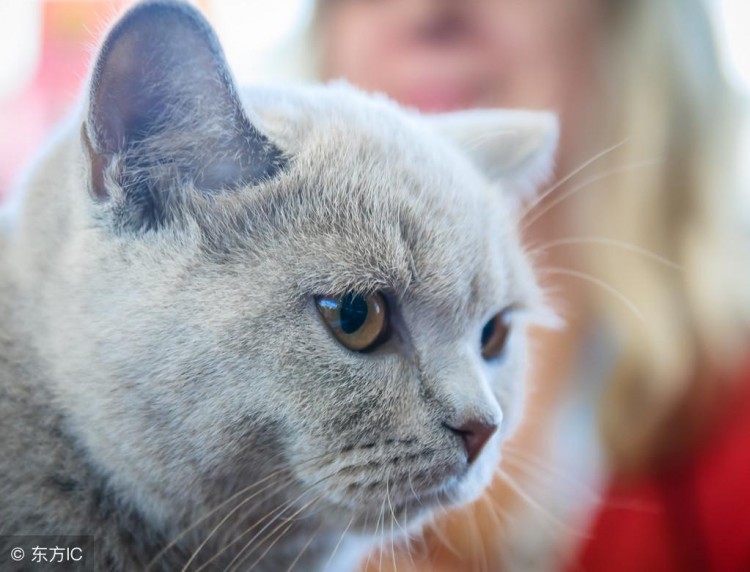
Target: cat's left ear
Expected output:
[164,113]
[515,147]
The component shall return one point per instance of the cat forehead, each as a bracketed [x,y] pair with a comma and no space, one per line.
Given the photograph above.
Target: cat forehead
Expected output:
[317,240]
[372,200]
[340,125]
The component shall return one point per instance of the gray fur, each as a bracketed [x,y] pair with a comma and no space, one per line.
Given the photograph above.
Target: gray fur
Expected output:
[149,374]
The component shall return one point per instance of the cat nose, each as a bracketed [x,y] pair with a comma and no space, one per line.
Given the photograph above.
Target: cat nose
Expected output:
[474,433]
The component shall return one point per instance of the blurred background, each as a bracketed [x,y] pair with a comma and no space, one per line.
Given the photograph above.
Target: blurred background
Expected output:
[635,453]
[46,47]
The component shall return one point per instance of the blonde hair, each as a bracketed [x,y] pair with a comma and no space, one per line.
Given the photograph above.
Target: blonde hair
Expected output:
[669,101]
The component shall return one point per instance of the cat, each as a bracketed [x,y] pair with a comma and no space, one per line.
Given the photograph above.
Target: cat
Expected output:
[257,327]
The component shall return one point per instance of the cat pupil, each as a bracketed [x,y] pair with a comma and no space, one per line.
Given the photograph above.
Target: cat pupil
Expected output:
[487,331]
[353,312]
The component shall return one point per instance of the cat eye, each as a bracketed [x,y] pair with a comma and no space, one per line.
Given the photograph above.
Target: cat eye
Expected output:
[358,322]
[495,335]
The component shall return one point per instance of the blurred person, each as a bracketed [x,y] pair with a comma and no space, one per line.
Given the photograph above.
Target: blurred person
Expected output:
[638,240]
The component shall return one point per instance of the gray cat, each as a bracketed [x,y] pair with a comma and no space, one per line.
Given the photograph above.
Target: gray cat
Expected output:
[256,328]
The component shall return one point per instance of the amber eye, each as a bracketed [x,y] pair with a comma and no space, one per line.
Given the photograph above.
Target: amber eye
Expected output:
[495,335]
[359,322]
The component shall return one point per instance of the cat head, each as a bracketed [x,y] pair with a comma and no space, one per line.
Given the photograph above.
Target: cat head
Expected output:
[304,279]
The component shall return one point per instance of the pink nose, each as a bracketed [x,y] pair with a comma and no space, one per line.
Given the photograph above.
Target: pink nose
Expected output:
[475,434]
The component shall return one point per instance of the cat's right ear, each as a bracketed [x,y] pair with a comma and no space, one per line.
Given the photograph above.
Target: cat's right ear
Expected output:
[164,114]
[513,147]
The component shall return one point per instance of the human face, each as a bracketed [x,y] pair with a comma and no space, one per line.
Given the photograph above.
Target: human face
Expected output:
[440,55]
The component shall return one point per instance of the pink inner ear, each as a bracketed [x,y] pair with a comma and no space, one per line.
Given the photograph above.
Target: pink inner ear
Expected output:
[97,165]
[163,103]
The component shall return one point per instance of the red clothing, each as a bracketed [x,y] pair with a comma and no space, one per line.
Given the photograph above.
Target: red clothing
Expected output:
[695,517]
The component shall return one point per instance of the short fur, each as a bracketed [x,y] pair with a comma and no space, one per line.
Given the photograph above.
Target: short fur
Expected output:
[160,349]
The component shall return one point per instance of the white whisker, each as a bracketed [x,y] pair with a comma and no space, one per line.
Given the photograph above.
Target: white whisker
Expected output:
[437,530]
[601,240]
[393,518]
[338,544]
[277,511]
[544,194]
[533,467]
[602,284]
[286,525]
[306,546]
[382,535]
[591,180]
[516,488]
[213,531]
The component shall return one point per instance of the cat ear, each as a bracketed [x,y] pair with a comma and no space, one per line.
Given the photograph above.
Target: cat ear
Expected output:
[164,110]
[514,147]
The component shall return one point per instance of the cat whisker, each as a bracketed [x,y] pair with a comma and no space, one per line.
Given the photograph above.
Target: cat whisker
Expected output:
[500,515]
[601,284]
[492,509]
[371,552]
[277,511]
[279,534]
[306,546]
[393,518]
[580,495]
[408,540]
[591,180]
[417,544]
[533,467]
[381,521]
[388,496]
[393,548]
[547,515]
[482,556]
[605,241]
[192,526]
[246,490]
[592,495]
[213,531]
[438,532]
[338,544]
[411,486]
[547,192]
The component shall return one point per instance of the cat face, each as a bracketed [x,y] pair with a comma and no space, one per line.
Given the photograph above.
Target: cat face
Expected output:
[222,244]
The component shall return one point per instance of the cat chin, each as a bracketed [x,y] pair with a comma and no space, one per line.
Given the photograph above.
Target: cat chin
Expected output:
[399,524]
[480,476]
[410,514]
[396,521]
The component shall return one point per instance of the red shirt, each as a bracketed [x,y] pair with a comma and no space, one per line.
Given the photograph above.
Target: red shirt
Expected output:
[693,517]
